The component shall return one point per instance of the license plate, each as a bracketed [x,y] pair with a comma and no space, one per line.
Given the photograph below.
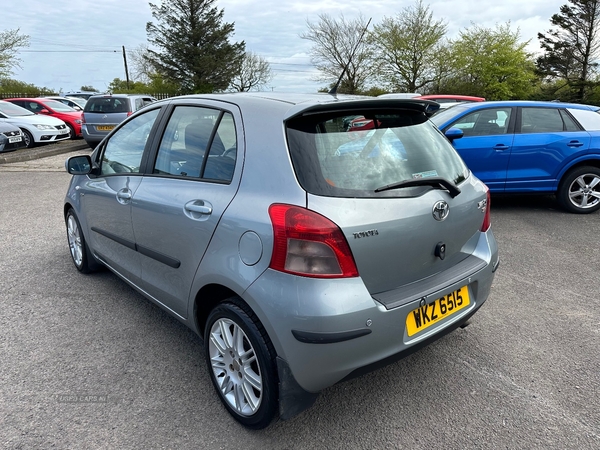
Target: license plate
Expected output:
[429,314]
[104,127]
[14,139]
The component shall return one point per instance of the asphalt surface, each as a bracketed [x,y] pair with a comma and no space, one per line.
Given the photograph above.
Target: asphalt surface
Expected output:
[85,362]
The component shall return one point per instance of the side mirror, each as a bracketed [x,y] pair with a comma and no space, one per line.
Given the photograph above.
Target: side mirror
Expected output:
[454,133]
[44,111]
[79,165]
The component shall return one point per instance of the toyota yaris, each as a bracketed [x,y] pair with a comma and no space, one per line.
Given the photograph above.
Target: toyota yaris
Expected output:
[301,255]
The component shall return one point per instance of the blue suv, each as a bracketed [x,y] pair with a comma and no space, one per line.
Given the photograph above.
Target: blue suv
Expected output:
[530,147]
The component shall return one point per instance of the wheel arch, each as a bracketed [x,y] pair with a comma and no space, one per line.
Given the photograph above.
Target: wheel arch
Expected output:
[587,160]
[206,299]
[67,206]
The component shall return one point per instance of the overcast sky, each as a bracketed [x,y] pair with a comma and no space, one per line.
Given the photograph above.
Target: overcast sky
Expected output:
[79,42]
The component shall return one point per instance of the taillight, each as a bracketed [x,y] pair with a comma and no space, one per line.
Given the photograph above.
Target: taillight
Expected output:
[129,113]
[309,244]
[82,119]
[486,217]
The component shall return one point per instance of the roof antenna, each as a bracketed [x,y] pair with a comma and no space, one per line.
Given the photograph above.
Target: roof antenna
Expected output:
[333,90]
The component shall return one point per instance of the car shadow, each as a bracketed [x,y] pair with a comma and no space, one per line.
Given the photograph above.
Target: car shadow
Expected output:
[528,202]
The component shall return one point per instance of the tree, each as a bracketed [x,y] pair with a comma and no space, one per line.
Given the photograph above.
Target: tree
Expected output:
[406,48]
[253,74]
[88,89]
[119,86]
[441,71]
[10,42]
[192,45]
[571,48]
[155,86]
[141,66]
[12,87]
[337,44]
[491,63]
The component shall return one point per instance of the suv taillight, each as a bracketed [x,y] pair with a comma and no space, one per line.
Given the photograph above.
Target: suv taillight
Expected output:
[486,218]
[309,244]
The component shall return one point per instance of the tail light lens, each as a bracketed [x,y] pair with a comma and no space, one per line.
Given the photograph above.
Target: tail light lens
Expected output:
[486,218]
[309,244]
[82,119]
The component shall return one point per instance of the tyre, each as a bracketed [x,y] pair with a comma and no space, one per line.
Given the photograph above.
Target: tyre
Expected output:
[80,253]
[579,190]
[28,138]
[72,134]
[241,363]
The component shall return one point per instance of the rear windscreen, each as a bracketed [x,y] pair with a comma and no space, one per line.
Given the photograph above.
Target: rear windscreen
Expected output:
[107,105]
[351,154]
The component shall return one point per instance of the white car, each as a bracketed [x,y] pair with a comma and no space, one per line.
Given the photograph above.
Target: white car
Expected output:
[74,102]
[36,128]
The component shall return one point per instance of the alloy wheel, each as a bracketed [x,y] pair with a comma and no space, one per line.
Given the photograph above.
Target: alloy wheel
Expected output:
[584,191]
[74,237]
[235,366]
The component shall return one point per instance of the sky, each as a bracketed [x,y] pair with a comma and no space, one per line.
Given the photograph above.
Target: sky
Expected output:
[76,43]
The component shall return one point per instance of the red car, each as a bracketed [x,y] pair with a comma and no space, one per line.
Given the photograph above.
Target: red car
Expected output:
[52,108]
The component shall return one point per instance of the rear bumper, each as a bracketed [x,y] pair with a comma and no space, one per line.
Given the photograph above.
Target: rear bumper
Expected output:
[335,330]
[91,135]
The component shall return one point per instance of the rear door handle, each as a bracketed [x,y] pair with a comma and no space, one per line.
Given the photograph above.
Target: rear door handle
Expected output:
[501,147]
[124,196]
[198,209]
[575,144]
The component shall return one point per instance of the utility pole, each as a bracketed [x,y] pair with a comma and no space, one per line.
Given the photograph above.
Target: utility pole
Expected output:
[126,70]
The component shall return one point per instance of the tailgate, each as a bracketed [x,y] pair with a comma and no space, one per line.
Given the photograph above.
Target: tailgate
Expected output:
[394,240]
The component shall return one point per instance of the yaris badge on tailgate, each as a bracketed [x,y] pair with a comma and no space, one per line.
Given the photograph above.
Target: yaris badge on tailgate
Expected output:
[440,210]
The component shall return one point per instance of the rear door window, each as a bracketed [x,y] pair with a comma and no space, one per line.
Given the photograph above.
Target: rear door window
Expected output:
[198,143]
[334,157]
[546,120]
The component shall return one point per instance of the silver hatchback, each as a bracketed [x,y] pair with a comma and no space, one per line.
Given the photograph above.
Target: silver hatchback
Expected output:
[102,113]
[303,253]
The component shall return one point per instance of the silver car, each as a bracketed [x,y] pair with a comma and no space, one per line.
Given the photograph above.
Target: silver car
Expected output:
[102,113]
[11,138]
[301,253]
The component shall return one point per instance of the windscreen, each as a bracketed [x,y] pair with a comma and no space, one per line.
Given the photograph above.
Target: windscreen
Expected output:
[58,106]
[12,110]
[351,154]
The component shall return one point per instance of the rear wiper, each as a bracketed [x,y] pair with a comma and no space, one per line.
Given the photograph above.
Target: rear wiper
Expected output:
[435,182]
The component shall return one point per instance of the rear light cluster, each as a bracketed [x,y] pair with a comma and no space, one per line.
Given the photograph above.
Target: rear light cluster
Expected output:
[486,218]
[309,244]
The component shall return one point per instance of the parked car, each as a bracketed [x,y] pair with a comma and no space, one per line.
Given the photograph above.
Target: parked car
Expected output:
[360,123]
[11,138]
[74,102]
[36,128]
[451,98]
[103,112]
[400,95]
[81,94]
[530,147]
[300,262]
[52,108]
